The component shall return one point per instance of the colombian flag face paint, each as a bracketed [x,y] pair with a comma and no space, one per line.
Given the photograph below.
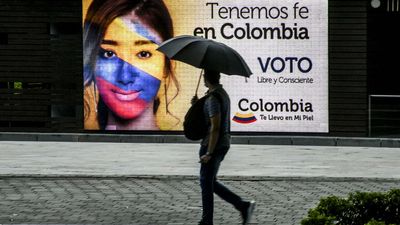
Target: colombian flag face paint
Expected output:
[128,68]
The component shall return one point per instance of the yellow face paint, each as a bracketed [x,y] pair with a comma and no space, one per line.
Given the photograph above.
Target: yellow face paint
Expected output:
[127,44]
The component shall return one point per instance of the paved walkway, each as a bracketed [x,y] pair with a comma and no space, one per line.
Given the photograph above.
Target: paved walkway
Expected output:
[156,184]
[162,201]
[132,159]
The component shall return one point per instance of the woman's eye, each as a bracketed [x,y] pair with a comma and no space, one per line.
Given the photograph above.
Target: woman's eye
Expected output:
[108,54]
[144,54]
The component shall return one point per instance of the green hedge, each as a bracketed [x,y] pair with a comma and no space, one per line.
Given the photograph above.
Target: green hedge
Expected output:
[358,209]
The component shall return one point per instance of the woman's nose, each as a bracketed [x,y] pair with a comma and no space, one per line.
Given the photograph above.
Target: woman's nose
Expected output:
[127,74]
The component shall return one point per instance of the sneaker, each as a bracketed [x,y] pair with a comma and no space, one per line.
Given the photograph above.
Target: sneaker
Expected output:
[248,212]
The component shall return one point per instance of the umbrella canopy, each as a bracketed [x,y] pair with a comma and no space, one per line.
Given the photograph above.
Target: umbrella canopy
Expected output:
[206,54]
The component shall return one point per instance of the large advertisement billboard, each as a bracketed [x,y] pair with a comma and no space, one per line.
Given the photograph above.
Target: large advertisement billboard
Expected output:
[129,85]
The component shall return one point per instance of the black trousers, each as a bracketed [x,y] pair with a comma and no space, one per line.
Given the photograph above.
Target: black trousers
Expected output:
[210,185]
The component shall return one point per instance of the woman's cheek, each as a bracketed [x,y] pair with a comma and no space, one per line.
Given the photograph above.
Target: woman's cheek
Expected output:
[151,85]
[107,69]
[154,65]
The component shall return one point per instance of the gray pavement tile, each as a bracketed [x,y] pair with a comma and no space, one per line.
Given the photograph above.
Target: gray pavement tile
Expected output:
[164,200]
[152,159]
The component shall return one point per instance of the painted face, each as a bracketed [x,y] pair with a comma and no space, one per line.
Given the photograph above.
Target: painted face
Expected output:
[128,68]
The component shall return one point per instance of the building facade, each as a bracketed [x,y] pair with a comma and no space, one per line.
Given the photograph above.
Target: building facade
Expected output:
[41,67]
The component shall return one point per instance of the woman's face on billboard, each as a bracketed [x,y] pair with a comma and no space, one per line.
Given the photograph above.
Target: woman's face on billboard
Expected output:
[129,69]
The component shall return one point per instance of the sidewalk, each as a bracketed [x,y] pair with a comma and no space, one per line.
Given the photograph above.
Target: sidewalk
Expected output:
[150,159]
[156,184]
[146,201]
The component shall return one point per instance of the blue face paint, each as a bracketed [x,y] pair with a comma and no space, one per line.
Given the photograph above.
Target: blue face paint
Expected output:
[126,77]
[143,31]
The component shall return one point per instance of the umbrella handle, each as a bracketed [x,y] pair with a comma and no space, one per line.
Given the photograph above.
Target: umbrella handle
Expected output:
[198,83]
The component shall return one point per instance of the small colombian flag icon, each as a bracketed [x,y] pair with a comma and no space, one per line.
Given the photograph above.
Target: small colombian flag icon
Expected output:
[244,118]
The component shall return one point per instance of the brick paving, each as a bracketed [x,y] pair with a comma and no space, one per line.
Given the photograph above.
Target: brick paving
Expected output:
[164,200]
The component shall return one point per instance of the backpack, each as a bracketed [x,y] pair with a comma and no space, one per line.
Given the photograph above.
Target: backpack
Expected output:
[194,126]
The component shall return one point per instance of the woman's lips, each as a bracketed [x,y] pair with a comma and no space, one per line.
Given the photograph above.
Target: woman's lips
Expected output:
[126,96]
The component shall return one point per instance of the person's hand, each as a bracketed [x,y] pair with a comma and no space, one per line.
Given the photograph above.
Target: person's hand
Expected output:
[194,99]
[205,158]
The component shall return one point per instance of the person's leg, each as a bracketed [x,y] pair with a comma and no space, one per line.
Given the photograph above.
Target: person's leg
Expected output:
[222,191]
[245,208]
[227,195]
[208,173]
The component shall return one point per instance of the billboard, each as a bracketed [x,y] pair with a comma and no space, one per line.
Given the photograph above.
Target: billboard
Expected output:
[128,85]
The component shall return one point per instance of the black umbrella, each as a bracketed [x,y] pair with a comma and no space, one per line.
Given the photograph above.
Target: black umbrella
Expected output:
[205,54]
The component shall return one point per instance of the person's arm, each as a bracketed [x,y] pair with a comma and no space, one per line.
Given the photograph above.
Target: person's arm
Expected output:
[214,132]
[215,127]
[214,135]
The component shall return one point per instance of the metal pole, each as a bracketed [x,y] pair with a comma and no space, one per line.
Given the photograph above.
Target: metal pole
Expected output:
[369,116]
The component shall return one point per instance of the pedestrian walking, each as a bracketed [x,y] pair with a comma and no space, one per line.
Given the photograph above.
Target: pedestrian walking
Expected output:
[214,57]
[213,149]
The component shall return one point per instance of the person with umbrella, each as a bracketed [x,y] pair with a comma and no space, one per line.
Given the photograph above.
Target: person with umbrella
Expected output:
[208,54]
[213,150]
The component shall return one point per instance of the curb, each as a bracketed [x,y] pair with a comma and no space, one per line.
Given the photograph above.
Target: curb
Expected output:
[236,139]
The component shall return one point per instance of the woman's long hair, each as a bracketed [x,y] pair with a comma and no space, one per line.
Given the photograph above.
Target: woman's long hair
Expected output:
[100,14]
